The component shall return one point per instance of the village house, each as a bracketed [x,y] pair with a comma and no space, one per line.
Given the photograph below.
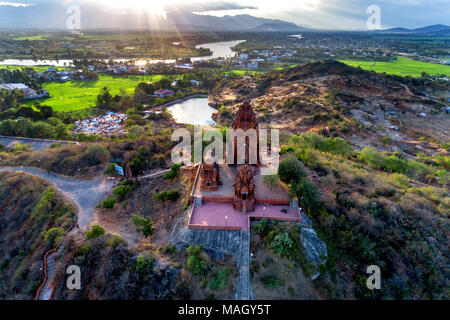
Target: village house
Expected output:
[29,92]
[161,93]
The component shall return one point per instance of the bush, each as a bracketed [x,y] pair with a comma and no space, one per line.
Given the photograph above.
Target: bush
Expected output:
[264,226]
[143,224]
[95,232]
[370,156]
[167,195]
[110,169]
[394,164]
[54,235]
[145,262]
[269,282]
[308,194]
[109,203]
[291,170]
[122,191]
[219,281]
[195,263]
[96,154]
[282,244]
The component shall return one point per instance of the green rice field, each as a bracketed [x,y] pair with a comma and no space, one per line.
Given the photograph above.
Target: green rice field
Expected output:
[401,66]
[82,94]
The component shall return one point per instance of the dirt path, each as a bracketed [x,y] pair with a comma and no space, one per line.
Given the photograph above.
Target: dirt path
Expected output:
[86,194]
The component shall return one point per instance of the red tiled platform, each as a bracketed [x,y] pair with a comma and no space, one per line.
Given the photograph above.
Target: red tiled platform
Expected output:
[212,216]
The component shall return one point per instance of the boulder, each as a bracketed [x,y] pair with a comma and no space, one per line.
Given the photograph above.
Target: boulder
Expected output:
[315,249]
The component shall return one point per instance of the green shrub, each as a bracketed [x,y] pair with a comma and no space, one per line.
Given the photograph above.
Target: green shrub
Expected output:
[219,281]
[291,170]
[143,224]
[308,194]
[122,191]
[145,262]
[110,169]
[394,164]
[109,203]
[195,263]
[54,235]
[282,244]
[264,226]
[167,195]
[269,282]
[95,232]
[96,154]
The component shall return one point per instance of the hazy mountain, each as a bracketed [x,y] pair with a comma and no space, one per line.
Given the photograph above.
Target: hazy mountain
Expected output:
[93,17]
[437,29]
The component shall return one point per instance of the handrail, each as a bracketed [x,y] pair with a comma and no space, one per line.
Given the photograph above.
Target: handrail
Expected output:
[45,269]
[45,273]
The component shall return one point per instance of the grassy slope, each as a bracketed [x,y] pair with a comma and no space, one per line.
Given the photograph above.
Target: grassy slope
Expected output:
[401,66]
[79,94]
[29,207]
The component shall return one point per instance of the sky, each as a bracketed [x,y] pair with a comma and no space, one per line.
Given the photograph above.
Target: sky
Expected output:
[321,14]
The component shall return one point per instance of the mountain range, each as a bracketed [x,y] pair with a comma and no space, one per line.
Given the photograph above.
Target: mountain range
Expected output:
[93,16]
[434,30]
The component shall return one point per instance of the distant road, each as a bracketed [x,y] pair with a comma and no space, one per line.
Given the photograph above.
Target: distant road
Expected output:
[36,144]
[86,194]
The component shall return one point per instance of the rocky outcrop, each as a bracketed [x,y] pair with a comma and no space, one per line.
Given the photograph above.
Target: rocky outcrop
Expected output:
[315,249]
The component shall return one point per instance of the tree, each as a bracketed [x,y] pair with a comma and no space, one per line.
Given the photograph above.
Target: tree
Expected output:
[270,181]
[139,95]
[143,224]
[291,170]
[308,195]
[136,166]
[96,154]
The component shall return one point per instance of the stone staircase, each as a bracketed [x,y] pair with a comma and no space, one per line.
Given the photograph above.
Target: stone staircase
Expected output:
[47,290]
[243,286]
[217,243]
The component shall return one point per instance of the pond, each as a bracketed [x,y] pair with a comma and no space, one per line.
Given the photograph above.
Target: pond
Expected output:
[195,111]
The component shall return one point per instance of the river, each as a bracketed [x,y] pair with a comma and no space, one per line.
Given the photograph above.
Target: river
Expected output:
[219,50]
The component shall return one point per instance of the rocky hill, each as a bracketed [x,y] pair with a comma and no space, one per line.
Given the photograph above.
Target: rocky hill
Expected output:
[338,100]
[375,149]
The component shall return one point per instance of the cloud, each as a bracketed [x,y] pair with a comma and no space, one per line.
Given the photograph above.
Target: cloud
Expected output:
[14,4]
[216,6]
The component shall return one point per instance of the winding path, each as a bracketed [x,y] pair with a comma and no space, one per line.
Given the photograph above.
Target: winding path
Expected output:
[86,194]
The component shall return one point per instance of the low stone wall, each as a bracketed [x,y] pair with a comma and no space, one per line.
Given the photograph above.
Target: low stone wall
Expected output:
[199,226]
[218,199]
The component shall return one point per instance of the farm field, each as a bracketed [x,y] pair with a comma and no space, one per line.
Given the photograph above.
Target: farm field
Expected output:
[80,94]
[35,68]
[31,38]
[401,66]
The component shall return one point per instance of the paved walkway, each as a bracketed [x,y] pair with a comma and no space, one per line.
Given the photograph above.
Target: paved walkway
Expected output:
[36,144]
[212,214]
[86,194]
